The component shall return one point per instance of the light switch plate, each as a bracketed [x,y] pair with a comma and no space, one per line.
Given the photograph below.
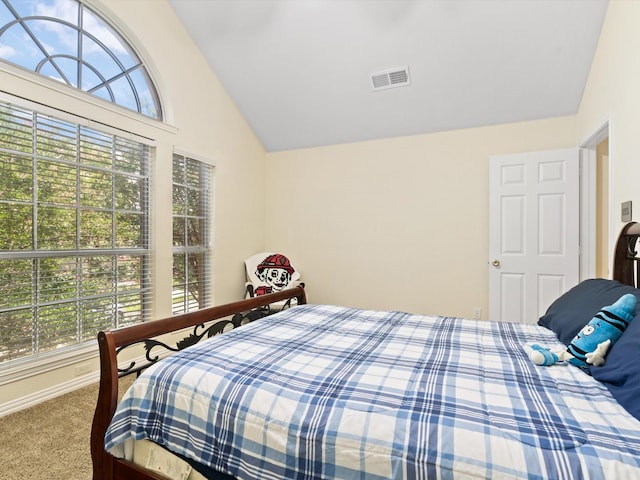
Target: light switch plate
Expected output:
[626,211]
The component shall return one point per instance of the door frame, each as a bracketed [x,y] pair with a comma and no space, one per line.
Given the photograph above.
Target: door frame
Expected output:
[588,199]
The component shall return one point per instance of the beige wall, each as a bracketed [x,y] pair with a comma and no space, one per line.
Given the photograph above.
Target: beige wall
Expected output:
[204,122]
[400,223]
[612,94]
[209,125]
[364,222]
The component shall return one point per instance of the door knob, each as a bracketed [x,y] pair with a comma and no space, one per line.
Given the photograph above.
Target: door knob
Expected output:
[496,263]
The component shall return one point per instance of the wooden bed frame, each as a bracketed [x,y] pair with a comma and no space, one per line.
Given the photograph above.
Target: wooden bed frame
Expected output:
[111,343]
[626,263]
[626,269]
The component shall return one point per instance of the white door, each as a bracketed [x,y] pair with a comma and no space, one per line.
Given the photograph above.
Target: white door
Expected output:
[534,212]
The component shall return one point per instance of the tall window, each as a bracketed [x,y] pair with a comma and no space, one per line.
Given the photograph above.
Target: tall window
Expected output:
[191,237]
[74,246]
[66,41]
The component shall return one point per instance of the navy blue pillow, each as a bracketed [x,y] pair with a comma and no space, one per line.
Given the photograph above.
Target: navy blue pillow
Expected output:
[574,309]
[621,371]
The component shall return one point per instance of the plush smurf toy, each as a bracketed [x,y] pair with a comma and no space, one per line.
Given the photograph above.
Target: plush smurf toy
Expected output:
[592,343]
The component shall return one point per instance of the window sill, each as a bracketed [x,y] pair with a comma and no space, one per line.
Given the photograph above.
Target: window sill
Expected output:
[29,367]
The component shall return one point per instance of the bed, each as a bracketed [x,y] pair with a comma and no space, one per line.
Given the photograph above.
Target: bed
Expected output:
[323,391]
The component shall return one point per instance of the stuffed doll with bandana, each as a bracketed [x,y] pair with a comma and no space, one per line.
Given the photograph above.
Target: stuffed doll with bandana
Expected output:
[590,346]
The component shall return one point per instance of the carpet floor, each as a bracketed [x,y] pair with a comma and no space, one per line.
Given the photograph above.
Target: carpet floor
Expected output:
[50,441]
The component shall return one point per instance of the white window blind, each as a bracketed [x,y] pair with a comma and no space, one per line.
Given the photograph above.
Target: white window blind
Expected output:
[74,237]
[192,180]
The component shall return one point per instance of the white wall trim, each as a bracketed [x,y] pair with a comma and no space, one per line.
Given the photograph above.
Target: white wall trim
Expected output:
[588,198]
[48,394]
[31,366]
[34,88]
[587,213]
[69,386]
[187,153]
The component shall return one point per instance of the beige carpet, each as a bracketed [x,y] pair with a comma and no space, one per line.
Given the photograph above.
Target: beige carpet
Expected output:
[50,441]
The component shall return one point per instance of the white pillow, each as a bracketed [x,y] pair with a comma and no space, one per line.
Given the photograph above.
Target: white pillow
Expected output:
[270,272]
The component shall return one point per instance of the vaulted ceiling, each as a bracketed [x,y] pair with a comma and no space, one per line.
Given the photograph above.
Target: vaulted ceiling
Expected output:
[299,70]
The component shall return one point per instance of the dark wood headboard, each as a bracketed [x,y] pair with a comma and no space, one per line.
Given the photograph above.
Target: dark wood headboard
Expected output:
[626,263]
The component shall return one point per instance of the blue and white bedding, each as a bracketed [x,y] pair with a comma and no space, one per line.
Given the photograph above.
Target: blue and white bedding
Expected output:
[330,392]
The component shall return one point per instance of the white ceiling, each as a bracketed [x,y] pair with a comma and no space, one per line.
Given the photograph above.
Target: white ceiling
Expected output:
[299,69]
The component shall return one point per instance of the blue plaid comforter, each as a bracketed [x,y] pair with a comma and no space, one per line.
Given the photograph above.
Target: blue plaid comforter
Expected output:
[330,392]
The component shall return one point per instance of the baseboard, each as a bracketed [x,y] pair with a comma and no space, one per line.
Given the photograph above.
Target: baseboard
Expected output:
[40,396]
[47,394]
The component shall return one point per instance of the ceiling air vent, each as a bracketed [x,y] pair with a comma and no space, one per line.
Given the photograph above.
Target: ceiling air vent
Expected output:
[393,77]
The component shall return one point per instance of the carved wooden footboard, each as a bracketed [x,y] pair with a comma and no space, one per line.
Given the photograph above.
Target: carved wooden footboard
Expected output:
[112,343]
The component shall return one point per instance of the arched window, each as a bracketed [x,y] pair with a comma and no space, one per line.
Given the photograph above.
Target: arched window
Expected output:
[75,202]
[66,41]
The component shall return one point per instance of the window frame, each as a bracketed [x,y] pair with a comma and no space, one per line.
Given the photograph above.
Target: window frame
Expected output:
[27,365]
[206,248]
[140,62]
[31,90]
